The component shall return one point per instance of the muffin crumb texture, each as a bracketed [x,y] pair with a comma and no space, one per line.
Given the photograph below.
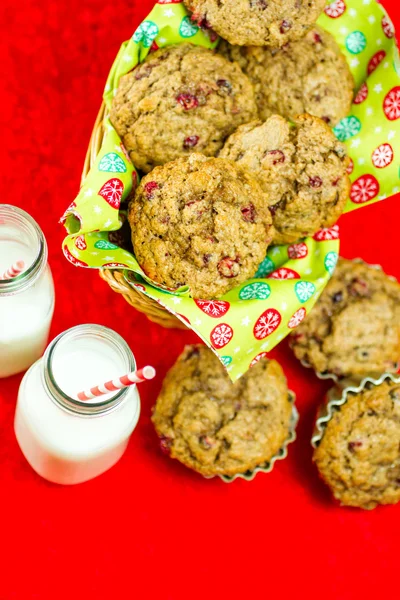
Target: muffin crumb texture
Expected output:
[354,329]
[181,99]
[301,167]
[201,222]
[216,427]
[358,456]
[310,75]
[258,22]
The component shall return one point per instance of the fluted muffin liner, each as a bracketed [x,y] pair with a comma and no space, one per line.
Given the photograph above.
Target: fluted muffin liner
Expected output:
[254,317]
[332,376]
[337,397]
[282,453]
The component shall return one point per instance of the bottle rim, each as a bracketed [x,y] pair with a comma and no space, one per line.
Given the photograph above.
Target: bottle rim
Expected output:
[35,269]
[73,405]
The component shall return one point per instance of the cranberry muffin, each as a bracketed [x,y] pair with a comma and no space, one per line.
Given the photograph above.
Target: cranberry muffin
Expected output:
[216,427]
[200,222]
[301,167]
[310,75]
[257,22]
[354,328]
[181,99]
[358,456]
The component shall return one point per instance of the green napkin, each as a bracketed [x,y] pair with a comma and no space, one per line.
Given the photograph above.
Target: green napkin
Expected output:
[251,319]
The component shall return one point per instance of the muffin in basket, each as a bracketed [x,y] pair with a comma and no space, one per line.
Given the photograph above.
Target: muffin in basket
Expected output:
[200,222]
[301,167]
[181,99]
[358,454]
[310,75]
[259,22]
[216,427]
[354,329]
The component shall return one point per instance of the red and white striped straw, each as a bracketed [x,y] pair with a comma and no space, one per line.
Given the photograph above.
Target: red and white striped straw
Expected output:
[13,271]
[118,384]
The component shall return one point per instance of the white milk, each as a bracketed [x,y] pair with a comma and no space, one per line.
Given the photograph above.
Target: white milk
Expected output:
[26,302]
[64,440]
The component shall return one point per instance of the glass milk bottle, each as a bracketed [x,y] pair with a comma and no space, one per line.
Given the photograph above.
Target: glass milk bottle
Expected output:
[27,300]
[66,440]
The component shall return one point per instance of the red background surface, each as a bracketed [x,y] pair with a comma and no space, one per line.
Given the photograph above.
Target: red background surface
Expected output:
[149,527]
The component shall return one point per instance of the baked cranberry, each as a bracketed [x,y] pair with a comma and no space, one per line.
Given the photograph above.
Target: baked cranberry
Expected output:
[201,21]
[338,297]
[258,4]
[277,156]
[276,207]
[317,38]
[150,187]
[206,442]
[335,182]
[285,26]
[249,213]
[188,101]
[326,119]
[206,258]
[165,444]
[358,287]
[190,142]
[315,182]
[225,85]
[353,445]
[212,35]
[228,267]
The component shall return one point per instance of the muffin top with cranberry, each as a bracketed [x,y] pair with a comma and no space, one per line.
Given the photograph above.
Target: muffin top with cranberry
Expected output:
[257,22]
[200,222]
[354,329]
[301,167]
[181,99]
[310,75]
[216,427]
[358,456]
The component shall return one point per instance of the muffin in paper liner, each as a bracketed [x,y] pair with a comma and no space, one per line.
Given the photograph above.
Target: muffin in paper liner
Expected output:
[254,317]
[337,397]
[280,455]
[332,376]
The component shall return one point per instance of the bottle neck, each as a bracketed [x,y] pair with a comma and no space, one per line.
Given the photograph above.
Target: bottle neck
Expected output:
[61,347]
[19,227]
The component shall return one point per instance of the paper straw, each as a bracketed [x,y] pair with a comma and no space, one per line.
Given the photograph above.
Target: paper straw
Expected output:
[118,384]
[13,271]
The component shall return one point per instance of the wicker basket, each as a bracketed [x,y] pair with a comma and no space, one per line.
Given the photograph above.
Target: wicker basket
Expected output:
[113,277]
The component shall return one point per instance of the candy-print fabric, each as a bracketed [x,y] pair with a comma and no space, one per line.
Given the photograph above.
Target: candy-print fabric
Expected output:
[246,323]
